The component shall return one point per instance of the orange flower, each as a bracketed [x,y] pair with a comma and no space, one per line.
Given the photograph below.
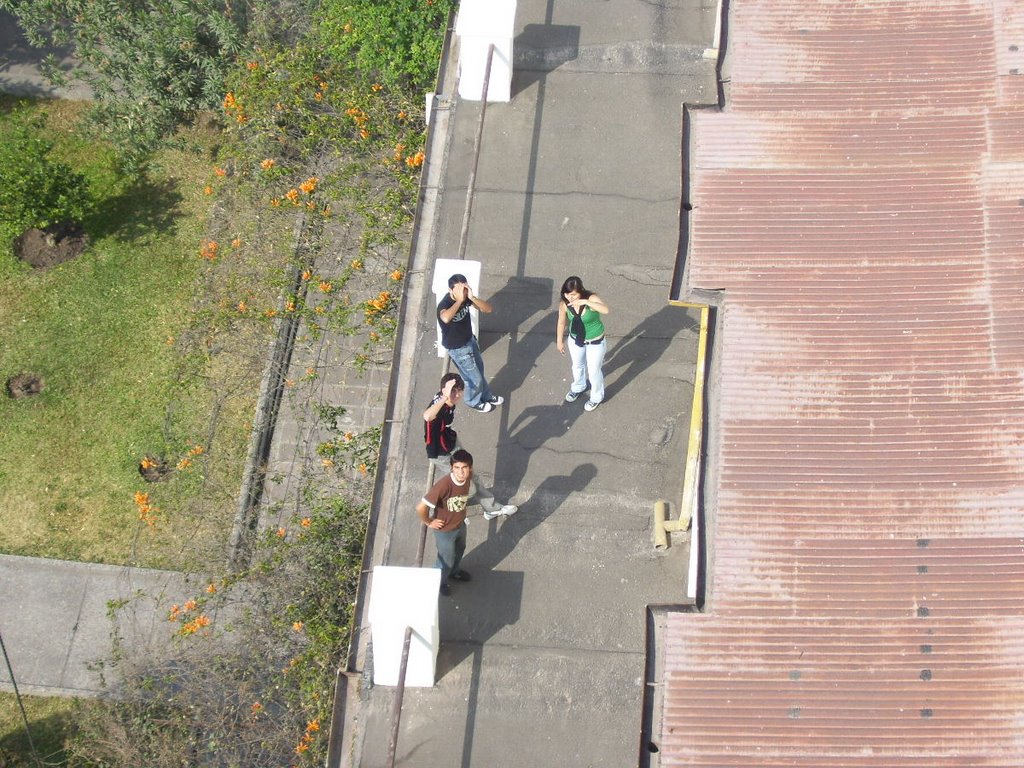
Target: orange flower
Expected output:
[292,194]
[297,626]
[306,522]
[290,306]
[415,161]
[396,275]
[256,708]
[196,450]
[281,533]
[147,463]
[207,190]
[347,28]
[310,371]
[313,726]
[175,613]
[376,87]
[309,184]
[195,625]
[209,250]
[357,264]
[184,463]
[327,463]
[362,468]
[325,286]
[301,747]
[347,436]
[190,605]
[319,309]
[252,65]
[170,341]
[267,164]
[141,498]
[211,588]
[306,274]
[318,96]
[220,171]
[364,134]
[236,243]
[242,306]
[402,115]
[275,202]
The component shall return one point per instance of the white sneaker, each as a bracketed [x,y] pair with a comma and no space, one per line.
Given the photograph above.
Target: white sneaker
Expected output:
[505,511]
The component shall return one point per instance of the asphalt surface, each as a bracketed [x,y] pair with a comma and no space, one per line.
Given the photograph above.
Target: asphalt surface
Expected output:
[542,656]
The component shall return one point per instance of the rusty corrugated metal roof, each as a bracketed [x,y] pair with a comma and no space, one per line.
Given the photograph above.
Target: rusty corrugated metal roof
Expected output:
[860,201]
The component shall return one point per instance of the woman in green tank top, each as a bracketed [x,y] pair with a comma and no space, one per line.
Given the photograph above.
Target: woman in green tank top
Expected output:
[581,312]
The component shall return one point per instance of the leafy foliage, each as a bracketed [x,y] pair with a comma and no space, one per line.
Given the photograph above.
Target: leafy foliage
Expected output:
[35,189]
[323,122]
[246,680]
[397,43]
[152,64]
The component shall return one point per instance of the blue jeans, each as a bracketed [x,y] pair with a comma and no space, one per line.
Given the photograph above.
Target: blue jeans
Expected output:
[587,360]
[451,545]
[471,366]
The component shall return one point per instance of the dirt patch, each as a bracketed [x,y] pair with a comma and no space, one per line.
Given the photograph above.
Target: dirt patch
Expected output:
[52,245]
[24,385]
[153,469]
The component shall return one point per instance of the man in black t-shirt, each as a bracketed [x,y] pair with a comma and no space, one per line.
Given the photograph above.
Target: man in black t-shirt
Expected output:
[453,315]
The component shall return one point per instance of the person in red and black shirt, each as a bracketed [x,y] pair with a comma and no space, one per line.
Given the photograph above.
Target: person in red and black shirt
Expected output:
[442,441]
[438,434]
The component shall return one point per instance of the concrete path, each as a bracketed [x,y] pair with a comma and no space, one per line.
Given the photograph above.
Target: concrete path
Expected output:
[21,65]
[55,623]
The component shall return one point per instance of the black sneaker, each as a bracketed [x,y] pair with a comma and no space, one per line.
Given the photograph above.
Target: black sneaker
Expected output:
[459,575]
[496,400]
[446,590]
[483,407]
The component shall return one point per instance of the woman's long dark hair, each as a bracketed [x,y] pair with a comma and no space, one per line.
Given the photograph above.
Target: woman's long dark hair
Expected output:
[574,285]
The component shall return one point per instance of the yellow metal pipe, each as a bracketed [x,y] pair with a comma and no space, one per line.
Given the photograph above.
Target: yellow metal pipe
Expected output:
[662,525]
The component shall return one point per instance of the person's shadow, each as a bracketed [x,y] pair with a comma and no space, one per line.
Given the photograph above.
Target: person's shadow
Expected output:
[526,435]
[477,611]
[644,345]
[515,302]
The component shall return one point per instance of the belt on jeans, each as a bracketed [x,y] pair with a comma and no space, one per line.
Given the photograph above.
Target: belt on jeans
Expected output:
[594,341]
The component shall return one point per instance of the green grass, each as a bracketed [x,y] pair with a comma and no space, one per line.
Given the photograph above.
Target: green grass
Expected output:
[49,721]
[97,330]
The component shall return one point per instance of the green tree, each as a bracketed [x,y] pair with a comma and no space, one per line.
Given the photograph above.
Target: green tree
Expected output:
[35,190]
[151,64]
